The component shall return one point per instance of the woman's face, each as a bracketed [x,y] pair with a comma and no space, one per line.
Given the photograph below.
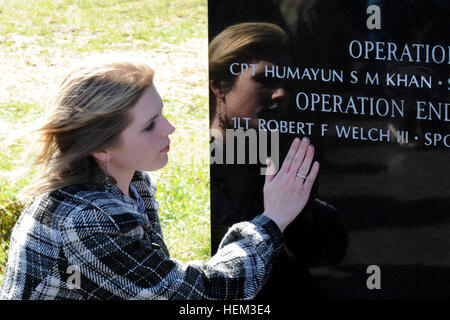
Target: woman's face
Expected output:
[144,143]
[254,96]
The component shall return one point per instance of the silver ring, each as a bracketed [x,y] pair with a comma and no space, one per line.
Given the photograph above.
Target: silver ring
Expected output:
[300,175]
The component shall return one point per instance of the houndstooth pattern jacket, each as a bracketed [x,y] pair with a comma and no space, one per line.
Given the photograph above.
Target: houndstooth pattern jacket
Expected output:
[120,254]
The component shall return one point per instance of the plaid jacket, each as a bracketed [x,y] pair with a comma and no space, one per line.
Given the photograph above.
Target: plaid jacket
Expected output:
[116,253]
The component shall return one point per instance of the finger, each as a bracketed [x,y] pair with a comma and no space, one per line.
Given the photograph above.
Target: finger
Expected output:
[300,155]
[270,171]
[307,186]
[306,164]
[290,156]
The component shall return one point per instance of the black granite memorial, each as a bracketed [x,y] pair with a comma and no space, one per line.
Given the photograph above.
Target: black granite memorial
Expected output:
[368,82]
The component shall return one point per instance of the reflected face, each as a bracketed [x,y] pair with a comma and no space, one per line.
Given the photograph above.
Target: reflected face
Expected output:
[254,96]
[144,143]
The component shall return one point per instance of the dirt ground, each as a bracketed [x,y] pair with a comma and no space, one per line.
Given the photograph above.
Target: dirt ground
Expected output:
[27,77]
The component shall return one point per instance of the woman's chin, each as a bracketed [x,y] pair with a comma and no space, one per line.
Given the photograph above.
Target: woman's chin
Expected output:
[164,161]
[157,166]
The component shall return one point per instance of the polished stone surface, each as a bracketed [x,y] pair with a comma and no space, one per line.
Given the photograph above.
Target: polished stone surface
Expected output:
[395,198]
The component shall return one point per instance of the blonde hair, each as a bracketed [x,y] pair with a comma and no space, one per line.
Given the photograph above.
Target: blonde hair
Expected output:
[90,111]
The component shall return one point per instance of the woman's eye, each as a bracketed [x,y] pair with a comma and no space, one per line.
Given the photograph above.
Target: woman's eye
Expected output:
[150,126]
[266,81]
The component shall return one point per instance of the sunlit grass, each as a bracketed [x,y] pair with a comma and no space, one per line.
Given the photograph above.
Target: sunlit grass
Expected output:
[87,25]
[183,185]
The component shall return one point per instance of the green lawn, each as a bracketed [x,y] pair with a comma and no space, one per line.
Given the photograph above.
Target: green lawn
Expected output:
[34,33]
[92,25]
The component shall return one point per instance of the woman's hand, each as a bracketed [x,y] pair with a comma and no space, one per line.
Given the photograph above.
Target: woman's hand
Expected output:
[287,192]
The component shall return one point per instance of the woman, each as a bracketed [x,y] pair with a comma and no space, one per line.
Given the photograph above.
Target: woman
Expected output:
[318,236]
[238,57]
[248,96]
[93,230]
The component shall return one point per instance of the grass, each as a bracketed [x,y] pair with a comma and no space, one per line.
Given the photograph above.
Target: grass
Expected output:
[34,32]
[88,25]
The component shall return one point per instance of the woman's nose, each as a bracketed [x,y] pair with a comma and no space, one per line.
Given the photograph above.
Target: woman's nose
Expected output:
[169,128]
[278,94]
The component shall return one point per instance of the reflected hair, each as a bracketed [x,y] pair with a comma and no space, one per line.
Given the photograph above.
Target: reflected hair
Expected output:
[242,43]
[90,111]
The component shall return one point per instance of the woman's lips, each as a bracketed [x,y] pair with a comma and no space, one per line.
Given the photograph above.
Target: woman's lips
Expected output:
[166,149]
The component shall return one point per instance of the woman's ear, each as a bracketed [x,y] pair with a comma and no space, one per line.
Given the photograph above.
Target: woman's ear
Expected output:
[216,88]
[102,156]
